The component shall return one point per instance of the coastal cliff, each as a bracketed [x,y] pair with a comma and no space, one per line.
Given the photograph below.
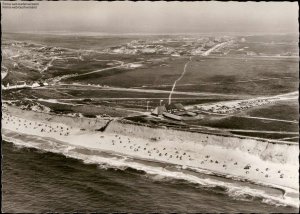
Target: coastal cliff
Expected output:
[81,122]
[258,160]
[268,150]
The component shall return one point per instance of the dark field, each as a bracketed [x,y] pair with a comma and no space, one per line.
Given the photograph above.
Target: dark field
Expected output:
[20,75]
[76,92]
[235,122]
[249,75]
[164,71]
[86,110]
[275,136]
[90,92]
[71,66]
[284,110]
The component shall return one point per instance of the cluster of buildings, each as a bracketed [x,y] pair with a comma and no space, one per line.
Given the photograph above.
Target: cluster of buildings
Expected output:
[233,106]
[175,111]
[173,47]
[133,48]
[23,84]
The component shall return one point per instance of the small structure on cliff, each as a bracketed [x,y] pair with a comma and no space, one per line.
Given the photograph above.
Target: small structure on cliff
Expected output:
[175,111]
[159,110]
[172,108]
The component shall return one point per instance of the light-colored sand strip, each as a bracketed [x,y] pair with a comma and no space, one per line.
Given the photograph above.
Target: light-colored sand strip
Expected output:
[244,130]
[56,101]
[260,131]
[69,95]
[289,138]
[104,69]
[144,90]
[216,83]
[255,57]
[206,53]
[270,119]
[135,98]
[229,107]
[109,60]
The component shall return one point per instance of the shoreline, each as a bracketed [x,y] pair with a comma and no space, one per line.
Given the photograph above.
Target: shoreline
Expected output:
[192,169]
[266,163]
[283,196]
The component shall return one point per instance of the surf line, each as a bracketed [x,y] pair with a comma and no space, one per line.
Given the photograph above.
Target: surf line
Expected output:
[182,74]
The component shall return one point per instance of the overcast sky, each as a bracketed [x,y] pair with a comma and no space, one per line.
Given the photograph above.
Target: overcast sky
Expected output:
[154,17]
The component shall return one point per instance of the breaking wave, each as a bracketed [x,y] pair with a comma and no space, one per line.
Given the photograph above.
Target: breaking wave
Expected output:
[155,171]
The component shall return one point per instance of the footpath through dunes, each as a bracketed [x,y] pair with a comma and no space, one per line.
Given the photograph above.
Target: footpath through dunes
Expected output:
[267,162]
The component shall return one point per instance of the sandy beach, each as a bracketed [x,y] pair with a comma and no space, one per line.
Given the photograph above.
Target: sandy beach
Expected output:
[202,156]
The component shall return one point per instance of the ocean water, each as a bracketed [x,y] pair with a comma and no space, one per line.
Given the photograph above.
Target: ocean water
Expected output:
[34,180]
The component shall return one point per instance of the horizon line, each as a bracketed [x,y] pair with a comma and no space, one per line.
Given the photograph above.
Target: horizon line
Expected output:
[85,33]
